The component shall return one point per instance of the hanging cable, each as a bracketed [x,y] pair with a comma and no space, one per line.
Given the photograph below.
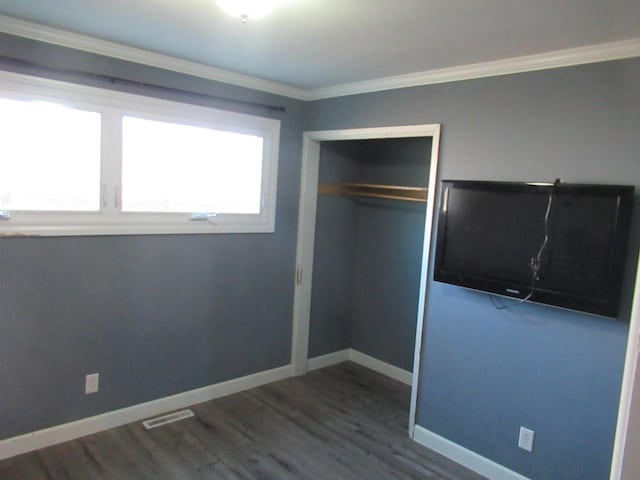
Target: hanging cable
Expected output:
[535,262]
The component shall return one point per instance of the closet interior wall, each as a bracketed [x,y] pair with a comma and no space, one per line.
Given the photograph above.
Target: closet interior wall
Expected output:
[368,251]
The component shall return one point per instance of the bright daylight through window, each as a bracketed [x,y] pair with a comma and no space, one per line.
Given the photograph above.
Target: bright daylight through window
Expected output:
[49,157]
[167,167]
[78,160]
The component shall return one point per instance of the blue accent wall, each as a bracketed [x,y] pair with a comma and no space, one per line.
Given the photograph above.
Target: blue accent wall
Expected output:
[487,372]
[484,372]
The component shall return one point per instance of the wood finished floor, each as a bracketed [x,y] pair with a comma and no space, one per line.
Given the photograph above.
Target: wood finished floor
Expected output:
[342,422]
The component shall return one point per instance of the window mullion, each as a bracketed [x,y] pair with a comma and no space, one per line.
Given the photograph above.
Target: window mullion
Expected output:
[111,166]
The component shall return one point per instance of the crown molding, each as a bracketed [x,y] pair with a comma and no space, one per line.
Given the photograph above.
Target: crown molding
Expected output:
[543,61]
[63,38]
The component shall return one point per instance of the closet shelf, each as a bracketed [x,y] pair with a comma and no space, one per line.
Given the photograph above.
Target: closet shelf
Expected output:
[393,192]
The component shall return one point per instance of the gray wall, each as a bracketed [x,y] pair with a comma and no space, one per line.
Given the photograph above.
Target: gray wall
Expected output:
[484,372]
[154,315]
[334,252]
[367,254]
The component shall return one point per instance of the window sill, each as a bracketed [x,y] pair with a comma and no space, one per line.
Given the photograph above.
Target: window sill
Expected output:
[94,229]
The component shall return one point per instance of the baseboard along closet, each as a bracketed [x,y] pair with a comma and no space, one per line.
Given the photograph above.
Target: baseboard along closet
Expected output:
[368,247]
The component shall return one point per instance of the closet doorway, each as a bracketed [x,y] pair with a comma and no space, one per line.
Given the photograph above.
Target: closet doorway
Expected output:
[312,143]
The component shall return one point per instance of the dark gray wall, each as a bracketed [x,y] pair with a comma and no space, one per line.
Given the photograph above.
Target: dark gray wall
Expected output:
[386,287]
[388,259]
[333,255]
[154,315]
[484,372]
[368,252]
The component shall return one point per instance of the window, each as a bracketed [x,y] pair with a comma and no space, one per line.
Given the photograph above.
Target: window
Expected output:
[168,167]
[49,157]
[78,160]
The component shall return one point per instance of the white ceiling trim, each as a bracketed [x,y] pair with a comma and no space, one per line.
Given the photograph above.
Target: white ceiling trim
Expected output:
[85,43]
[555,59]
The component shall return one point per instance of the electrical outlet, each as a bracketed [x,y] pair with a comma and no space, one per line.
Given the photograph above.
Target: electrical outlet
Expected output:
[525,440]
[91,383]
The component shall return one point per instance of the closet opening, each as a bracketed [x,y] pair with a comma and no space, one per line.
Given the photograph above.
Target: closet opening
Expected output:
[364,236]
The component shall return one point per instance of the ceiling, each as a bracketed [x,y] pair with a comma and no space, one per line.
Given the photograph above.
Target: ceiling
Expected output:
[310,45]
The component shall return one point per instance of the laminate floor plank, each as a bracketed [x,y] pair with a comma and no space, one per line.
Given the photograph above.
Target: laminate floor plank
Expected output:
[344,436]
[342,422]
[365,438]
[320,444]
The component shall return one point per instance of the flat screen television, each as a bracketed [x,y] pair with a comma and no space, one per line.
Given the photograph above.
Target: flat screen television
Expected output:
[552,243]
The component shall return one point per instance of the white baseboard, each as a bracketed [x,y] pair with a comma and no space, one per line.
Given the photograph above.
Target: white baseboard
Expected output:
[362,359]
[87,426]
[329,359]
[379,366]
[463,456]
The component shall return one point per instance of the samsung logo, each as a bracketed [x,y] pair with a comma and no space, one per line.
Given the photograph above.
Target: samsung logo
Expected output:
[511,290]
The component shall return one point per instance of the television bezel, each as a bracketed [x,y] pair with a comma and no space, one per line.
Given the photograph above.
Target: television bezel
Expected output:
[607,305]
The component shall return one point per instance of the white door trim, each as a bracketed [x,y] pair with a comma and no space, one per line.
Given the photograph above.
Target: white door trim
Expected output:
[424,275]
[628,385]
[306,236]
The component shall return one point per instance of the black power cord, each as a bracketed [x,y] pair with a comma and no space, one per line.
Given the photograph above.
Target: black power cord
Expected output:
[535,263]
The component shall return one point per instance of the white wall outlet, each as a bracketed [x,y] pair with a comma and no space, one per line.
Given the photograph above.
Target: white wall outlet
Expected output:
[525,440]
[91,383]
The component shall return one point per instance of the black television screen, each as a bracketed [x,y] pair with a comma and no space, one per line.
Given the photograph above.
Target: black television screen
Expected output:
[491,237]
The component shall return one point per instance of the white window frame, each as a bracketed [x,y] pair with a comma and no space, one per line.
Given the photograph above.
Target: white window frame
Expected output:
[113,105]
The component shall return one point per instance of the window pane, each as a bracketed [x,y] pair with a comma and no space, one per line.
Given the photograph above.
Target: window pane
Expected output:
[168,167]
[49,157]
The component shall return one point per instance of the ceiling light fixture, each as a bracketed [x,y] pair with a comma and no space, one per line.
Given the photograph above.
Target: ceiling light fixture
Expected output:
[247,9]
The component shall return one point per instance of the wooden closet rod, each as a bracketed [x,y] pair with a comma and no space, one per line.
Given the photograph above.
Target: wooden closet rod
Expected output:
[374,190]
